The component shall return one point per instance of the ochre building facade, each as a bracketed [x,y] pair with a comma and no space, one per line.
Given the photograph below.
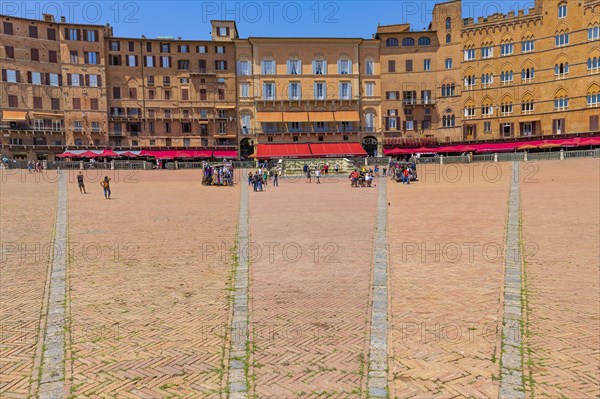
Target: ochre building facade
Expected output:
[528,73]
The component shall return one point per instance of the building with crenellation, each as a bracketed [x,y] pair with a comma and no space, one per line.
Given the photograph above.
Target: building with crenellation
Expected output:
[524,74]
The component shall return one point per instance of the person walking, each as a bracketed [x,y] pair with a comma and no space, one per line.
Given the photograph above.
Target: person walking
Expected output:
[250,178]
[106,186]
[405,178]
[318,176]
[80,183]
[276,178]
[308,179]
[337,168]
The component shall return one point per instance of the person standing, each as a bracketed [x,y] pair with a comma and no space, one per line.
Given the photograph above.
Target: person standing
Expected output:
[305,169]
[308,179]
[250,178]
[276,178]
[337,168]
[106,186]
[318,176]
[80,183]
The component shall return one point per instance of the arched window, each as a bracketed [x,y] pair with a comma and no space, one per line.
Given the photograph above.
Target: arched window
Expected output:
[391,42]
[527,74]
[593,97]
[562,10]
[408,41]
[448,120]
[561,70]
[448,23]
[593,64]
[424,41]
[448,38]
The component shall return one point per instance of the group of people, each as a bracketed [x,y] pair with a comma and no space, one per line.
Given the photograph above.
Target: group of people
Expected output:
[260,179]
[34,166]
[403,172]
[105,183]
[217,175]
[363,177]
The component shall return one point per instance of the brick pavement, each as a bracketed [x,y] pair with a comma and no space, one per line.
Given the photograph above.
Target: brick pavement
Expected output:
[446,236]
[561,214]
[309,311]
[27,221]
[149,303]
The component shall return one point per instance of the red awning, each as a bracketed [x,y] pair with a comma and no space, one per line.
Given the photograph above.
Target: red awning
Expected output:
[337,150]
[232,154]
[274,151]
[497,147]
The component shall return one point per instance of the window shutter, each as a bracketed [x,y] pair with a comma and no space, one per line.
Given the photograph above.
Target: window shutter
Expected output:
[563,125]
[67,34]
[87,80]
[160,62]
[28,76]
[227,31]
[512,129]
[350,67]
[397,98]
[81,77]
[314,67]
[78,34]
[416,125]
[339,66]
[403,125]
[18,76]
[60,80]
[96,38]
[170,61]
[225,65]
[69,80]
[85,34]
[397,122]
[127,61]
[46,78]
[4,78]
[594,123]
[145,62]
[136,60]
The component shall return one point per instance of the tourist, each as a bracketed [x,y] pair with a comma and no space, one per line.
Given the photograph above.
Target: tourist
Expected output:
[377,170]
[250,178]
[106,186]
[406,179]
[265,176]
[326,168]
[308,179]
[384,171]
[80,183]
[276,178]
[318,176]
[30,166]
[305,169]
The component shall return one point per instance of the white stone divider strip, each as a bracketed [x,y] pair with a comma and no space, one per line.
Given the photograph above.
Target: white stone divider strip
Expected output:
[511,373]
[238,353]
[377,379]
[53,352]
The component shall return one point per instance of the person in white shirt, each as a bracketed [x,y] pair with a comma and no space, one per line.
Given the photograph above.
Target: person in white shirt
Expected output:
[318,175]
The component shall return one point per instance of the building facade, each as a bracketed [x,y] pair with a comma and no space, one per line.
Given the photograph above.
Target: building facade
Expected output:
[528,73]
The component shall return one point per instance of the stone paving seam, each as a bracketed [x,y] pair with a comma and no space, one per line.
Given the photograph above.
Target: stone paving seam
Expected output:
[511,373]
[377,379]
[238,352]
[53,352]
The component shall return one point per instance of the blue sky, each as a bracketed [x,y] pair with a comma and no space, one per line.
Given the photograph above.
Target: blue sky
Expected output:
[191,19]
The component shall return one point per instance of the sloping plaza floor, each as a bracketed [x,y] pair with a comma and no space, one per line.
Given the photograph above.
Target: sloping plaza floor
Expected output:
[151,270]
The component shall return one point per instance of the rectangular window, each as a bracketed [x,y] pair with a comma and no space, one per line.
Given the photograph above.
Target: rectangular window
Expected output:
[7,28]
[391,66]
[167,95]
[268,91]
[294,91]
[470,54]
[77,103]
[561,40]
[409,65]
[116,93]
[132,60]
[74,57]
[165,48]
[36,78]
[319,67]
[506,49]
[90,58]
[203,95]
[54,80]
[94,104]
[185,94]
[244,68]
[202,49]
[202,66]
[294,67]
[370,68]
[320,91]
[344,67]
[51,34]
[268,67]
[184,48]
[165,61]
[10,52]
[487,127]
[222,31]
[37,103]
[369,89]
[244,90]
[149,61]
[115,46]
[561,104]
[594,33]
[75,79]
[527,46]
[35,54]
[345,91]
[92,36]
[448,63]
[52,57]
[427,65]
[13,101]
[487,52]
[506,109]
[183,65]
[593,100]
[221,65]
[562,11]
[220,49]
[426,97]
[33,32]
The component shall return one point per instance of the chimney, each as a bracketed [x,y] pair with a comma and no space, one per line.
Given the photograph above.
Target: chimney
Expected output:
[48,17]
[63,19]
